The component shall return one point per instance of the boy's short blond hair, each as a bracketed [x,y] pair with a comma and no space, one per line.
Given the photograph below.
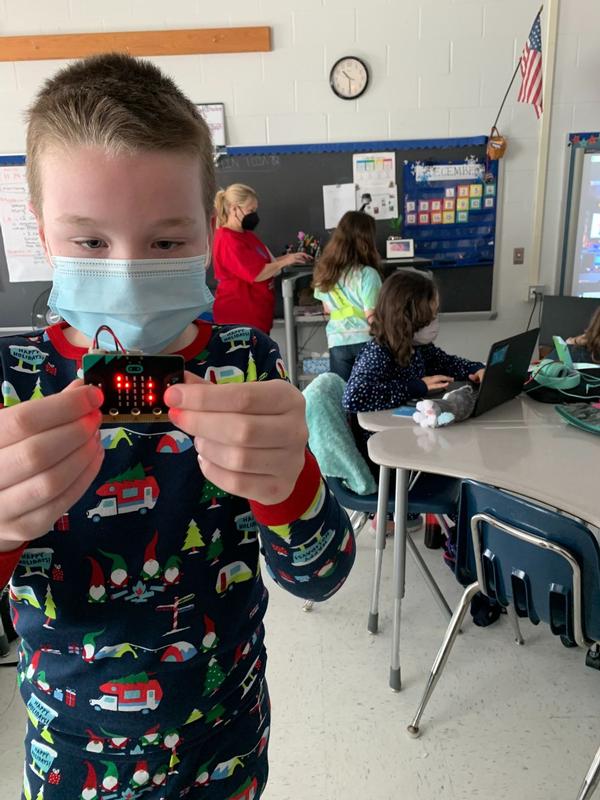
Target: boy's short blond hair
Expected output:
[122,104]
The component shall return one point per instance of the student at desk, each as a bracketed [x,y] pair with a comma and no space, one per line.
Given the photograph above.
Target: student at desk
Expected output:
[243,265]
[402,363]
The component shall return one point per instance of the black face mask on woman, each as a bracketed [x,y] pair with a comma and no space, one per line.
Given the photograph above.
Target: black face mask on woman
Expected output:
[250,221]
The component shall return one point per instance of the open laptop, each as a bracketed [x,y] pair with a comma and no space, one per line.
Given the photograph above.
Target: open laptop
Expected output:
[505,373]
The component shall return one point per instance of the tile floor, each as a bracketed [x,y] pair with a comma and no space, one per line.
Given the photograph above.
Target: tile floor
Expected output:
[506,722]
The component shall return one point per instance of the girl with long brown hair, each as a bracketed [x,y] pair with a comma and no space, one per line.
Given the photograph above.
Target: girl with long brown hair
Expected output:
[347,281]
[401,362]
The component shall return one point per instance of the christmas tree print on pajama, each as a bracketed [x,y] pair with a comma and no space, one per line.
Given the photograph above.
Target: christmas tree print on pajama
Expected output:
[193,539]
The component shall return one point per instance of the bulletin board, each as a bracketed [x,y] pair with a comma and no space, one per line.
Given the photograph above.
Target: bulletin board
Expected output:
[289,181]
[450,210]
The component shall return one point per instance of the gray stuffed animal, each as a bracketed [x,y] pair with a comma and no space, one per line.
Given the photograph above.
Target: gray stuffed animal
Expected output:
[454,406]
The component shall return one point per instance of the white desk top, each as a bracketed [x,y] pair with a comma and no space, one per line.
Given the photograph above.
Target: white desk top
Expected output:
[521,446]
[521,410]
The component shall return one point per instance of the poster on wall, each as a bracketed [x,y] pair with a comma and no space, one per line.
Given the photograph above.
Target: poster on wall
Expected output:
[337,199]
[214,116]
[374,176]
[25,257]
[450,210]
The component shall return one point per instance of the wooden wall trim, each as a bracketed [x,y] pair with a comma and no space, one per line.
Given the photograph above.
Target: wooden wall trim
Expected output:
[136,43]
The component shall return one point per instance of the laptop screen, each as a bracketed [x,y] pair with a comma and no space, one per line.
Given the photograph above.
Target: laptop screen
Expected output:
[506,370]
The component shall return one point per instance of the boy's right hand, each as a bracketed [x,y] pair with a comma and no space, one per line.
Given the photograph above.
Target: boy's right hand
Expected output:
[436,382]
[49,455]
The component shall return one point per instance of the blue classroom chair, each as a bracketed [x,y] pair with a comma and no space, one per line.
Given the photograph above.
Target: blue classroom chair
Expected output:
[535,562]
[342,465]
[427,494]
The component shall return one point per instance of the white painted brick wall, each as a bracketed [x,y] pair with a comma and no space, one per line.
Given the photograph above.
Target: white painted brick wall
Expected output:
[457,22]
[407,59]
[438,68]
[410,123]
[456,90]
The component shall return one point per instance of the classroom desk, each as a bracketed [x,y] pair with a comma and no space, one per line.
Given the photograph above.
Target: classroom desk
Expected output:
[522,446]
[521,410]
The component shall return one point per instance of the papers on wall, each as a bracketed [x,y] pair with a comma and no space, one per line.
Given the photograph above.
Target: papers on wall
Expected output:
[214,116]
[374,169]
[25,257]
[375,181]
[379,204]
[337,199]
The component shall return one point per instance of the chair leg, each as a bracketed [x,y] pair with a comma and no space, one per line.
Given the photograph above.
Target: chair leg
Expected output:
[512,615]
[443,653]
[382,502]
[443,525]
[591,780]
[307,605]
[357,520]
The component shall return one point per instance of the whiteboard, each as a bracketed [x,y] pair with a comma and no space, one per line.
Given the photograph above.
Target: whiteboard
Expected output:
[586,262]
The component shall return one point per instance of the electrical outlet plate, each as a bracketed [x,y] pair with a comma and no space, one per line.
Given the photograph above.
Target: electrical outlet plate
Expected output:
[537,289]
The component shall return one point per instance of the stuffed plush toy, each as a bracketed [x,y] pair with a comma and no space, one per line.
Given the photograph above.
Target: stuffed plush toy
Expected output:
[454,406]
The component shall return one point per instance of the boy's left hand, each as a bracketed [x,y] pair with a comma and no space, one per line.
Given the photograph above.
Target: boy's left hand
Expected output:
[251,438]
[477,377]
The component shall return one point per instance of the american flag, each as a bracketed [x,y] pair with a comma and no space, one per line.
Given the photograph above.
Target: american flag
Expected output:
[531,69]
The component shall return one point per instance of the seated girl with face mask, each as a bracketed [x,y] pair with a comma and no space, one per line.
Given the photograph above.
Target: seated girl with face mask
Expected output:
[401,363]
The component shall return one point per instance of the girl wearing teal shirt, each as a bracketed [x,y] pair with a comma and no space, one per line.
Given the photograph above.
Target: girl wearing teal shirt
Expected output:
[347,281]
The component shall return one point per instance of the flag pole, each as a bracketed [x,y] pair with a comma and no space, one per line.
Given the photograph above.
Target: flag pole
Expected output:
[502,104]
[512,80]
[549,63]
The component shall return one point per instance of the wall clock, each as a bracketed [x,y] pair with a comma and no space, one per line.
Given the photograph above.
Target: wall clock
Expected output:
[349,77]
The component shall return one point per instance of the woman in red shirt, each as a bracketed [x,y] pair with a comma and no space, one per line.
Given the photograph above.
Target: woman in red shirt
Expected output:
[243,265]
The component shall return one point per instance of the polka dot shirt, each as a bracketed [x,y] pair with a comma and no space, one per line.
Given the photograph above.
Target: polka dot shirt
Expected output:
[378,382]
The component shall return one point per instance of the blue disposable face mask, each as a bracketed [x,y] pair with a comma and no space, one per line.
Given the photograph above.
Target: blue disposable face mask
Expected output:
[147,302]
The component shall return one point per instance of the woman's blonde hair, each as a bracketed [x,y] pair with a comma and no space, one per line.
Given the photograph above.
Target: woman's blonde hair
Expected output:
[123,105]
[236,194]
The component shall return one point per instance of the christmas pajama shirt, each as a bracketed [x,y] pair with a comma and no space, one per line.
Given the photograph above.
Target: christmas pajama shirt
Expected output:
[142,654]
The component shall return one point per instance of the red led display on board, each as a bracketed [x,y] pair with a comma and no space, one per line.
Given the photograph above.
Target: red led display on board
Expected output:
[133,385]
